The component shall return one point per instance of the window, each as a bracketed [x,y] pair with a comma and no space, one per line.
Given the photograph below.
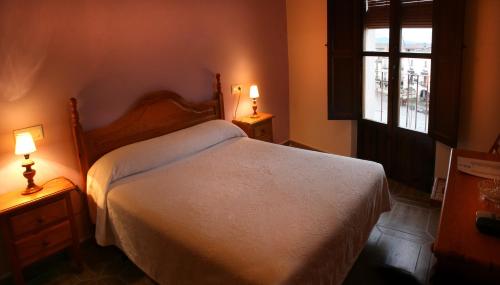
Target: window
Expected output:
[414,93]
[376,40]
[415,79]
[375,88]
[416,40]
[413,55]
[402,33]
[375,92]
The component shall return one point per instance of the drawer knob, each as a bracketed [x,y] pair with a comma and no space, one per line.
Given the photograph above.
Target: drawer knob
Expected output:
[45,243]
[40,220]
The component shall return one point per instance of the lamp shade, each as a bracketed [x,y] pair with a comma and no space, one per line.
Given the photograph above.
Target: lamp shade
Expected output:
[254,92]
[24,144]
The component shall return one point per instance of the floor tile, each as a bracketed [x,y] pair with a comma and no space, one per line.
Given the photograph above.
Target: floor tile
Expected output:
[398,250]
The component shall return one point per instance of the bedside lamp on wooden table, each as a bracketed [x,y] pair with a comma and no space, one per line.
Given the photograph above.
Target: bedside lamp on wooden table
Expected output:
[257,125]
[26,146]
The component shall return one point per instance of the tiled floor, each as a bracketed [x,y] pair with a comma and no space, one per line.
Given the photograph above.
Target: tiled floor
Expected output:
[101,266]
[398,252]
[399,248]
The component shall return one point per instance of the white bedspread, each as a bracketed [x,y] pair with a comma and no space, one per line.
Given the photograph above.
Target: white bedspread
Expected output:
[226,209]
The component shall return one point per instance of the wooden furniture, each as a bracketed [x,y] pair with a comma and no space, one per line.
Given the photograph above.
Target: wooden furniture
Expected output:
[38,225]
[459,246]
[155,114]
[164,112]
[260,128]
[495,148]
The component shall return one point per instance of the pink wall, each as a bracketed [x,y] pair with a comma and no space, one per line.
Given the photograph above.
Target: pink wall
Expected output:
[307,56]
[107,53]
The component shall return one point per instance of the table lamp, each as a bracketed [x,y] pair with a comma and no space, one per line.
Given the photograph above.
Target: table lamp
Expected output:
[25,146]
[254,94]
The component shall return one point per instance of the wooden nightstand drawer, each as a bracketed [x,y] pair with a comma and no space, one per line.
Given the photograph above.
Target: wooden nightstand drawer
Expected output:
[44,243]
[260,128]
[38,225]
[38,218]
[264,130]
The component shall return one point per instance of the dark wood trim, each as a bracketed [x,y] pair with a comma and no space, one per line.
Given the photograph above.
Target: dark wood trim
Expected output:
[78,141]
[407,155]
[375,53]
[75,237]
[155,114]
[394,64]
[11,250]
[495,148]
[415,55]
[446,70]
[219,96]
[293,143]
[380,124]
[344,59]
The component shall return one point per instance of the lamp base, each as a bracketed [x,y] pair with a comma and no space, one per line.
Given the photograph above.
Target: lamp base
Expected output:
[254,107]
[31,190]
[29,173]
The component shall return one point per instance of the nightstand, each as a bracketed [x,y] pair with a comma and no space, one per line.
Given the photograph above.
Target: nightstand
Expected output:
[38,225]
[260,128]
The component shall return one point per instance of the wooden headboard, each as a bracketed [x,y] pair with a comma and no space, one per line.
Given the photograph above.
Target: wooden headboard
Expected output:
[155,114]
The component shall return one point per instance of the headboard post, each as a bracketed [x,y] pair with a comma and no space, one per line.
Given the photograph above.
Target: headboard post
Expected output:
[220,97]
[78,140]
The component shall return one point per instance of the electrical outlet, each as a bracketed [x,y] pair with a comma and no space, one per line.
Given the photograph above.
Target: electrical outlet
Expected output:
[236,89]
[36,132]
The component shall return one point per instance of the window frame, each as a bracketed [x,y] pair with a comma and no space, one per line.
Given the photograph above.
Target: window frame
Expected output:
[344,25]
[394,55]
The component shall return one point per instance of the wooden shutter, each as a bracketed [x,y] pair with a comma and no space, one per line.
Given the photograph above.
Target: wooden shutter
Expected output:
[416,13]
[377,14]
[344,59]
[447,43]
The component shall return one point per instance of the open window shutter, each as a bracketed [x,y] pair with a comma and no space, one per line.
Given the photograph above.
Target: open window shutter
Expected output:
[447,43]
[416,13]
[377,14]
[344,59]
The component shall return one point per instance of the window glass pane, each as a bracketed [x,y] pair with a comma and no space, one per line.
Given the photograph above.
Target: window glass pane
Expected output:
[375,88]
[414,93]
[417,40]
[376,40]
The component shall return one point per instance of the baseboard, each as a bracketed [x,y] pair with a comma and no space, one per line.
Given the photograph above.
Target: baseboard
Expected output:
[300,145]
[285,142]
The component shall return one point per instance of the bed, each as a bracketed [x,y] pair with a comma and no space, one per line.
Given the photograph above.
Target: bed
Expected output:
[192,200]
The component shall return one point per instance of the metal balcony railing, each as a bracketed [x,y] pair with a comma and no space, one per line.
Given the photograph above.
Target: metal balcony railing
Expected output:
[414,98]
